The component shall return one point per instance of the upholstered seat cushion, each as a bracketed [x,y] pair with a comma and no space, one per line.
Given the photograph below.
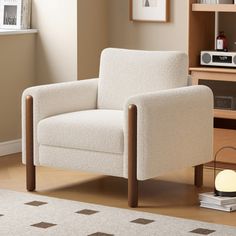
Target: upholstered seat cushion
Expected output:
[93,130]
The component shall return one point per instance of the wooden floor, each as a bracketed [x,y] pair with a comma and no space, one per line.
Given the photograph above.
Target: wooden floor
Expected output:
[172,195]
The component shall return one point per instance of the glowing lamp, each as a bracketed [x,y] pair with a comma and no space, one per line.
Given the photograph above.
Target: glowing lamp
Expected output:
[225,181]
[225,184]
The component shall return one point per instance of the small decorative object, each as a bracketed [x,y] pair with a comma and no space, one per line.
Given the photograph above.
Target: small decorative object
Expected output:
[15,14]
[224,196]
[149,10]
[221,42]
[225,181]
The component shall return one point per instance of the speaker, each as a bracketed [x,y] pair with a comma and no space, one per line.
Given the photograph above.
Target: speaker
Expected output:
[235,60]
[206,58]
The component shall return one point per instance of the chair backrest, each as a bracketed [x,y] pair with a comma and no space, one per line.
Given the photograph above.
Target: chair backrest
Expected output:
[124,73]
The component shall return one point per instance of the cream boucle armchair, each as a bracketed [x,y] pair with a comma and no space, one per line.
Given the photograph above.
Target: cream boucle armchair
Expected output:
[139,120]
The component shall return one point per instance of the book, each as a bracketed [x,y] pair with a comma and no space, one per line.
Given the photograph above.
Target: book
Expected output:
[211,198]
[228,207]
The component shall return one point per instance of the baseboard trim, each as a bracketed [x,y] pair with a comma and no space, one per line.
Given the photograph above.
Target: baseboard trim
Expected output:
[10,147]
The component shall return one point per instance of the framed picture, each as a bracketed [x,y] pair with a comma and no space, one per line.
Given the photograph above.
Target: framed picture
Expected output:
[15,14]
[149,10]
[10,14]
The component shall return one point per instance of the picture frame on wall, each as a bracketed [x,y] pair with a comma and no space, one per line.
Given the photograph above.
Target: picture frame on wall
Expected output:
[10,12]
[149,10]
[15,14]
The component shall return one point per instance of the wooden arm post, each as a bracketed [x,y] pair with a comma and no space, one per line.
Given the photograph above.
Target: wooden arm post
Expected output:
[30,168]
[132,157]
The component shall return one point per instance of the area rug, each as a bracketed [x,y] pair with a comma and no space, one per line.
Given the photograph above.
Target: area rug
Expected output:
[23,214]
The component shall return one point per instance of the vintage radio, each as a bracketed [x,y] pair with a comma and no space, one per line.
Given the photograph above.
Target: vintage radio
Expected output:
[217,58]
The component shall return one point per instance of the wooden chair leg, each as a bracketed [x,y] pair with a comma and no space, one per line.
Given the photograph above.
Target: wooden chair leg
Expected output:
[198,176]
[132,157]
[30,168]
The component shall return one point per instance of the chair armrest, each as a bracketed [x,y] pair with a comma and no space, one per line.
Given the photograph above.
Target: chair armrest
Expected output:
[174,130]
[59,98]
[54,99]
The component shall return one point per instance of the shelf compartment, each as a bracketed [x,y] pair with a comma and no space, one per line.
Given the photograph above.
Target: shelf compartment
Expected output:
[214,7]
[222,90]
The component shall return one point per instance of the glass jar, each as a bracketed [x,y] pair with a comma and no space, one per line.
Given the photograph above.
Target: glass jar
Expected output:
[221,42]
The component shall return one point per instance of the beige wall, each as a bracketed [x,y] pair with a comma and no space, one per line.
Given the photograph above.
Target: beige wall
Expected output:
[149,36]
[56,45]
[92,35]
[16,73]
[105,23]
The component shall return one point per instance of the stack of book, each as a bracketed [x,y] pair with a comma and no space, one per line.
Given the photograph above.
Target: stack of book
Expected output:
[215,1]
[209,200]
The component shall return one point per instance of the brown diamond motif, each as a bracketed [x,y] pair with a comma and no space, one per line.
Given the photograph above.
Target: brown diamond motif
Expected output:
[202,231]
[87,212]
[43,225]
[100,234]
[142,221]
[36,203]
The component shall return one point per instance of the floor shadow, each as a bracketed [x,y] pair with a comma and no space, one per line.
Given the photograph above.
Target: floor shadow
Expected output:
[153,193]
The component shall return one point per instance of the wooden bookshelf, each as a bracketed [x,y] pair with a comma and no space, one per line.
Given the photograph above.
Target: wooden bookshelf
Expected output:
[221,80]
[214,7]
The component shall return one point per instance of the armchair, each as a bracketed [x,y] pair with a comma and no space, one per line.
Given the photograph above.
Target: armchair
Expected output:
[139,120]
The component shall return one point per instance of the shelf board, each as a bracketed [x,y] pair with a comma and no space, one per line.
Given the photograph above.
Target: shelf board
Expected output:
[214,7]
[225,114]
[214,69]
[17,31]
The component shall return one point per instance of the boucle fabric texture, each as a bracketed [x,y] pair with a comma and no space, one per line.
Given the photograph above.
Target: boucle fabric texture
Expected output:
[83,160]
[93,130]
[174,130]
[124,73]
[54,99]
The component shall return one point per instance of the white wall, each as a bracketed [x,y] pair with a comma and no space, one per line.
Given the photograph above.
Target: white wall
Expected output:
[56,45]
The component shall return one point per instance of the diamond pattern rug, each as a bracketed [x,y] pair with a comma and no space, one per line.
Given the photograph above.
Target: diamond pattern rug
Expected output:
[25,214]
